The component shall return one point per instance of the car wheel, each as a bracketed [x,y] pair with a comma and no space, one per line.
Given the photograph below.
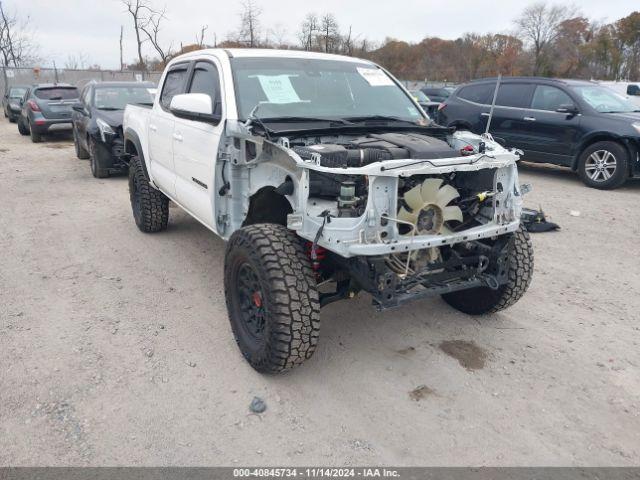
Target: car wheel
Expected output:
[35,136]
[22,128]
[81,152]
[604,165]
[482,300]
[12,118]
[94,160]
[272,297]
[150,206]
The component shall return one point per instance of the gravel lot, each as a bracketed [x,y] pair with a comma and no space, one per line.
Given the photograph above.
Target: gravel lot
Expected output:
[115,348]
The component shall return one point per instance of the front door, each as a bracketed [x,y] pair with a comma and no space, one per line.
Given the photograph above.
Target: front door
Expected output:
[161,130]
[195,148]
[508,122]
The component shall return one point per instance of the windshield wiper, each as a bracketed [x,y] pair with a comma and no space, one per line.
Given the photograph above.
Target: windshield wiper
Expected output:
[341,121]
[378,118]
[108,109]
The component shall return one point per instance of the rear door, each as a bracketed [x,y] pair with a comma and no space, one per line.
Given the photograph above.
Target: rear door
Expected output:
[508,122]
[195,147]
[81,120]
[160,130]
[56,102]
[552,134]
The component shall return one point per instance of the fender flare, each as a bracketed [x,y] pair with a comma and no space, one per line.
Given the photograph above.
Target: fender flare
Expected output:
[131,136]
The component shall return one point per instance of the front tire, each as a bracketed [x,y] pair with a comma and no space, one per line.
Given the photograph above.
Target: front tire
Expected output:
[482,300]
[81,152]
[604,165]
[96,170]
[150,206]
[22,128]
[271,296]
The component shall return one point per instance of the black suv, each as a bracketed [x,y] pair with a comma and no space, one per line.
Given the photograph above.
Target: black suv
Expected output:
[577,124]
[97,123]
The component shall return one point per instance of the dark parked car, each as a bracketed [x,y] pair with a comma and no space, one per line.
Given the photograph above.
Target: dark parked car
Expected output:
[426,103]
[437,94]
[578,124]
[11,101]
[97,123]
[46,108]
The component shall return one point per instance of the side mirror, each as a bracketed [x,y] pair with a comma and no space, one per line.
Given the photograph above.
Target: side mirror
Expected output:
[633,90]
[194,106]
[568,108]
[78,107]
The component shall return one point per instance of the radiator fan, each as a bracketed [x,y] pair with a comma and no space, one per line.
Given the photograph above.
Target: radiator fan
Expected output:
[429,207]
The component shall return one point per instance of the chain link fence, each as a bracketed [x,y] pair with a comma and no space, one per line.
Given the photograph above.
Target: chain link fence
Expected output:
[27,76]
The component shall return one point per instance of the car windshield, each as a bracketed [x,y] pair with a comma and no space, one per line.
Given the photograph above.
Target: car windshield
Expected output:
[604,100]
[117,98]
[56,93]
[17,92]
[312,88]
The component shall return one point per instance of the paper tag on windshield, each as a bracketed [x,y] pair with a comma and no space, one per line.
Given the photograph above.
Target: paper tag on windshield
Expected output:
[278,88]
[375,77]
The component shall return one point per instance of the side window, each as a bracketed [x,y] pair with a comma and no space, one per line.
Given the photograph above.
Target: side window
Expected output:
[478,93]
[205,79]
[516,95]
[549,98]
[173,85]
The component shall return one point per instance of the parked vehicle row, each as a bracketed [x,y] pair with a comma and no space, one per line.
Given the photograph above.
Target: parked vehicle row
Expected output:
[94,116]
[578,124]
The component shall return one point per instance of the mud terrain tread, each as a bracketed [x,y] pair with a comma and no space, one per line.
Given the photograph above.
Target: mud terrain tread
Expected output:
[291,298]
[479,301]
[154,205]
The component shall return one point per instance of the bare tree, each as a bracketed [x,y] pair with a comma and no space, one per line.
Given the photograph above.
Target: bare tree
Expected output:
[200,36]
[539,25]
[79,61]
[329,33]
[308,30]
[151,27]
[121,58]
[137,10]
[249,24]
[16,41]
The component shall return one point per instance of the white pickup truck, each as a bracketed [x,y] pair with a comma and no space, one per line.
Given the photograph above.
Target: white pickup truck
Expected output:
[327,179]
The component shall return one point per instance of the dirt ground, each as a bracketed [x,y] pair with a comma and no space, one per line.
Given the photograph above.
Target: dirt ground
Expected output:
[115,348]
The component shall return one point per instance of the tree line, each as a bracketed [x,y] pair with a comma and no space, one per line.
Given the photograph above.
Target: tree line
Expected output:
[546,39]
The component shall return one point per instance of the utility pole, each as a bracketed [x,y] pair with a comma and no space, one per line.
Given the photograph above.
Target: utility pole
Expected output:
[55,71]
[121,61]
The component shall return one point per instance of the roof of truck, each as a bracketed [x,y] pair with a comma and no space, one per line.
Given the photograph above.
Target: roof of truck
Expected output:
[268,52]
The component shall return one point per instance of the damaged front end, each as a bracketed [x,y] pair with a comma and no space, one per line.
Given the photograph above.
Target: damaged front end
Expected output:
[399,215]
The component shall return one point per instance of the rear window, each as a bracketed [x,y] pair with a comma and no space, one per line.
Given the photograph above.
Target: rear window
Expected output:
[17,92]
[56,93]
[477,93]
[516,95]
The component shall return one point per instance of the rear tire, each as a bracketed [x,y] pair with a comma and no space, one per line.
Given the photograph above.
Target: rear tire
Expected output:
[22,128]
[604,165]
[81,152]
[35,137]
[271,296]
[150,206]
[482,300]
[94,161]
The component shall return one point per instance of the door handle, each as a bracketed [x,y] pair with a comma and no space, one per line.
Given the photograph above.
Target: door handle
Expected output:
[484,114]
[177,137]
[153,128]
[529,119]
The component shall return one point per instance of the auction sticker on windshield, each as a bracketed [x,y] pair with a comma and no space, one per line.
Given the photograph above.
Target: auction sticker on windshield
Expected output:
[375,77]
[278,88]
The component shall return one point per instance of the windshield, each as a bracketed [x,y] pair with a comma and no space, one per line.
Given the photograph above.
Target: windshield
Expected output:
[604,100]
[17,92]
[116,98]
[311,88]
[57,93]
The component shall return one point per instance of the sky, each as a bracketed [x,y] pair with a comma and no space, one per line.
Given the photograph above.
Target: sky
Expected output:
[90,28]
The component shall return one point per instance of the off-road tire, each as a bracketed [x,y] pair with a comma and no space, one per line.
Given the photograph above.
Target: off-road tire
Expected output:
[150,206]
[482,300]
[22,128]
[35,136]
[621,172]
[288,296]
[81,152]
[94,161]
